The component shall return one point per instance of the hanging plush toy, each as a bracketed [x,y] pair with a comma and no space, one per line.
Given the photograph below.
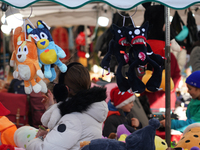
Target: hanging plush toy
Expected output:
[117,47]
[48,52]
[26,58]
[140,54]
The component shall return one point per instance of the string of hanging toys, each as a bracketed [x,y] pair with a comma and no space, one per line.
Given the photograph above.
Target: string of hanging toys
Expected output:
[139,54]
[33,52]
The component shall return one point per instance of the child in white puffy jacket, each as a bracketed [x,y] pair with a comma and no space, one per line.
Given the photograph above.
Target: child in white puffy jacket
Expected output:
[78,114]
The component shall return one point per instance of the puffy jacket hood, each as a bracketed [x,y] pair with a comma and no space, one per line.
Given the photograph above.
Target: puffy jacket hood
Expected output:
[97,107]
[82,100]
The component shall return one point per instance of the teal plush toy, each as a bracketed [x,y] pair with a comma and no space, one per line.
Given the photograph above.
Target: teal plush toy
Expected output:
[48,52]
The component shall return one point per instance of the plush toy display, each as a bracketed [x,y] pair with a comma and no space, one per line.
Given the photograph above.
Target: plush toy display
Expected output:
[140,54]
[48,52]
[23,135]
[142,139]
[26,58]
[117,47]
[191,137]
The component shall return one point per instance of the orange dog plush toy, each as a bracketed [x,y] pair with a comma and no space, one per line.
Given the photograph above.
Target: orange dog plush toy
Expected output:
[26,58]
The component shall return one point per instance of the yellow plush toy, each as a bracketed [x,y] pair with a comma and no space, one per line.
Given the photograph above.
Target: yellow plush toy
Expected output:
[160,144]
[148,74]
[26,58]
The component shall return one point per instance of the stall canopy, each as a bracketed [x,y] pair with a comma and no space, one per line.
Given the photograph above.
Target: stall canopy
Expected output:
[85,12]
[125,4]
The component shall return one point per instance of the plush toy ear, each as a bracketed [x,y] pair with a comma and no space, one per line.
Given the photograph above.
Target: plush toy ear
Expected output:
[29,28]
[114,28]
[17,33]
[42,24]
[30,38]
[145,25]
[19,40]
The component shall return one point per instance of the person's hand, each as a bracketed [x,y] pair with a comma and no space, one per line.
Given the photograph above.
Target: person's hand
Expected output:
[47,100]
[135,122]
[42,133]
[162,122]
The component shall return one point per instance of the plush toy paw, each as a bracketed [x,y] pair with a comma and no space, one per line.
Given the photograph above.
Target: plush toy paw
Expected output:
[63,68]
[16,74]
[61,54]
[53,75]
[47,74]
[37,88]
[12,63]
[40,74]
[43,86]
[28,89]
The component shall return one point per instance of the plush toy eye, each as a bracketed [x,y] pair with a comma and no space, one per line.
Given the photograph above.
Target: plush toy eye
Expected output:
[119,31]
[19,49]
[25,49]
[43,35]
[130,32]
[137,31]
[35,37]
[143,29]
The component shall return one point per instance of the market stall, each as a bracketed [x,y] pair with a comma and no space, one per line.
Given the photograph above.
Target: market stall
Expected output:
[125,5]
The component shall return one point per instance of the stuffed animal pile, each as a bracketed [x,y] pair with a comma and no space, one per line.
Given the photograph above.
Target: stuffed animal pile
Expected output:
[142,139]
[129,46]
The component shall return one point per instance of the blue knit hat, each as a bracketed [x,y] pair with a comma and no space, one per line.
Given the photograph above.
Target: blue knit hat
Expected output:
[194,79]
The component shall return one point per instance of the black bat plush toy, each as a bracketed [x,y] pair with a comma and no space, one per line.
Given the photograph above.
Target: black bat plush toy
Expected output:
[140,54]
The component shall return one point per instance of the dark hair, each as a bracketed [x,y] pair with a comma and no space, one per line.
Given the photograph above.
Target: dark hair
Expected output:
[77,78]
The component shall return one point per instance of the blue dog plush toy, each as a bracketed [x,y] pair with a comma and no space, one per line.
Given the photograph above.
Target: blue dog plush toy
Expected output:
[142,139]
[48,52]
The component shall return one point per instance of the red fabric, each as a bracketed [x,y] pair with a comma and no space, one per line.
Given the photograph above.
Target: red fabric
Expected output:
[117,98]
[175,138]
[157,99]
[157,46]
[3,110]
[6,147]
[60,37]
[113,113]
[15,103]
[80,53]
[80,39]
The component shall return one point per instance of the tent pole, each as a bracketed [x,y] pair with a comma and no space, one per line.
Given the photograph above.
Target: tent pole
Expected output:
[167,78]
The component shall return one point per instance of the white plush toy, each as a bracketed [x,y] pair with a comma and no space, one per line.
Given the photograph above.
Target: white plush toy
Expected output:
[23,135]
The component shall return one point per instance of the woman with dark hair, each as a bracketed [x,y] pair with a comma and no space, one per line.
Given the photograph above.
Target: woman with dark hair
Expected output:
[78,114]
